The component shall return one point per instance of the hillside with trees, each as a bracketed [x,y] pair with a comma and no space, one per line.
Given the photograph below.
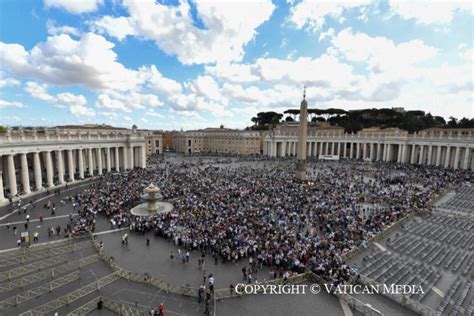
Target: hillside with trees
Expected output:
[355,120]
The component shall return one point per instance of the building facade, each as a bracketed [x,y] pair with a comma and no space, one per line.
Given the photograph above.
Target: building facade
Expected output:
[35,159]
[154,144]
[218,141]
[451,148]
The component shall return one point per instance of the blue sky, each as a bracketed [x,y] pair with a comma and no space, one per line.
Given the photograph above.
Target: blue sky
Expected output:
[191,64]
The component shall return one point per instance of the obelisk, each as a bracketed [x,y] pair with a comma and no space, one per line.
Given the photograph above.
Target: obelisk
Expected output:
[302,137]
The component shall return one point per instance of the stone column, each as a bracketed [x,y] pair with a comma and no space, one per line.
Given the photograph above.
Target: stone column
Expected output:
[37,171]
[404,153]
[143,164]
[90,162]
[117,159]
[351,150]
[456,157]
[389,152]
[12,175]
[357,150]
[25,176]
[438,155]
[99,160]
[421,161]
[2,196]
[321,147]
[466,158]
[108,161]
[430,152]
[49,169]
[80,157]
[70,165]
[132,162]
[364,150]
[126,158]
[384,154]
[339,149]
[345,149]
[372,148]
[413,152]
[447,158]
[60,161]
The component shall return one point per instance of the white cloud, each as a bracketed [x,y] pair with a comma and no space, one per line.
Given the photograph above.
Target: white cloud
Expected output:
[312,14]
[206,86]
[429,11]
[159,83]
[328,34]
[229,26]
[76,103]
[79,110]
[119,27]
[127,102]
[75,6]
[5,104]
[53,29]
[384,58]
[70,99]
[233,72]
[7,81]
[39,91]
[61,60]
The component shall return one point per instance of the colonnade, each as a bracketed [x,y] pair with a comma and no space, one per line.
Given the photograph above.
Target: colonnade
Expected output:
[448,155]
[34,170]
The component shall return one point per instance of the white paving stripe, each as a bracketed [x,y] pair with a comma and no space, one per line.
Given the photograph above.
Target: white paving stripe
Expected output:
[34,245]
[110,231]
[36,220]
[438,291]
[48,196]
[380,246]
[345,307]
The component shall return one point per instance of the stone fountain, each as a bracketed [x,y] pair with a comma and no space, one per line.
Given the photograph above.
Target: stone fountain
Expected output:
[153,205]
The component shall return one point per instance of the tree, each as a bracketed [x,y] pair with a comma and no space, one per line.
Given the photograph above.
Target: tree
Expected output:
[264,119]
[452,122]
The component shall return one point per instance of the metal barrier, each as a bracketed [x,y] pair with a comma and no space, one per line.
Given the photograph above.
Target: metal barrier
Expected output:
[110,304]
[44,253]
[46,274]
[64,300]
[403,300]
[22,297]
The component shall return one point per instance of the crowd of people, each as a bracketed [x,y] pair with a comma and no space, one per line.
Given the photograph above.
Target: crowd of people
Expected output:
[259,212]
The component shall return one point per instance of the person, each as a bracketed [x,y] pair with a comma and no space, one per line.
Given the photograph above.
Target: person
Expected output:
[41,218]
[8,225]
[231,289]
[26,226]
[35,237]
[148,241]
[125,239]
[206,310]
[161,309]
[201,290]
[14,230]
[171,255]
[18,242]
[27,217]
[187,256]
[211,282]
